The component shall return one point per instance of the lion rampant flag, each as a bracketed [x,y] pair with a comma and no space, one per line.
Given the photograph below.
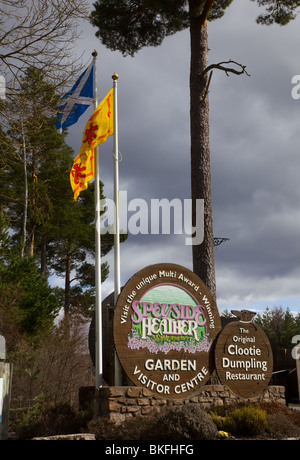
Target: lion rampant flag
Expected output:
[97,130]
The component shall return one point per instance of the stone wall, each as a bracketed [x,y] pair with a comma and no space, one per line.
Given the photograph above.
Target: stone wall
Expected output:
[119,403]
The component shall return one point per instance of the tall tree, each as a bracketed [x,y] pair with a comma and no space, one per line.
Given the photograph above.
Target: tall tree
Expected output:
[39,140]
[280,326]
[38,199]
[129,25]
[71,251]
[30,125]
[8,161]
[28,305]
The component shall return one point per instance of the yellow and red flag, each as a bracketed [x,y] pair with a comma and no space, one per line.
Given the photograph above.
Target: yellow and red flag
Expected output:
[97,130]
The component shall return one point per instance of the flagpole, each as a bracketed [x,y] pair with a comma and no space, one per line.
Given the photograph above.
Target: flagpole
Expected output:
[98,318]
[116,191]
[118,371]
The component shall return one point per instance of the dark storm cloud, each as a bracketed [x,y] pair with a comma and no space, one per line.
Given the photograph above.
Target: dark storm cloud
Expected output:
[254,139]
[254,128]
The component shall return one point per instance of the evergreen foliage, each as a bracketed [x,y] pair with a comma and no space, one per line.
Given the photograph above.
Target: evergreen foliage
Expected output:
[43,232]
[280,326]
[278,11]
[27,302]
[130,25]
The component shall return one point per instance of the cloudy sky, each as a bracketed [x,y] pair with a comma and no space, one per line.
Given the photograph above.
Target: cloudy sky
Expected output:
[255,161]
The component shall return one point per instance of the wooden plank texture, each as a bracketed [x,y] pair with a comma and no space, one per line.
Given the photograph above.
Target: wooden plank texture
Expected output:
[164,326]
[243,357]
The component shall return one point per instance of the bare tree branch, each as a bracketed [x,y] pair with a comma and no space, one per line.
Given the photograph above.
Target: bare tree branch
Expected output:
[219,241]
[42,34]
[241,69]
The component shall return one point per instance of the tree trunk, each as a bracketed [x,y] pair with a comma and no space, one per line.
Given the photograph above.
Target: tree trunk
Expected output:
[44,268]
[203,254]
[31,241]
[25,211]
[33,205]
[1,225]
[67,283]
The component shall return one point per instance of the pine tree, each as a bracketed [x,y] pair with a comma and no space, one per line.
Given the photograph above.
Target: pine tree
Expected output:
[71,251]
[28,304]
[280,326]
[47,224]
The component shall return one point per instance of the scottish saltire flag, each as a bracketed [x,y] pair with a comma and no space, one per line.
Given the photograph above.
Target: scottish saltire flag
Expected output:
[75,102]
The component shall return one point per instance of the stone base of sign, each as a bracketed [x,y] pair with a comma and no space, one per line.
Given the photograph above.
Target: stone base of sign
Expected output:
[119,403]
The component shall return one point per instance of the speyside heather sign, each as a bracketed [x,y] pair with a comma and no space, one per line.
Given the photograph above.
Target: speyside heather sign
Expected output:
[164,325]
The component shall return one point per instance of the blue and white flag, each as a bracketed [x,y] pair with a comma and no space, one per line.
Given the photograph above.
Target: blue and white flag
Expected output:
[75,102]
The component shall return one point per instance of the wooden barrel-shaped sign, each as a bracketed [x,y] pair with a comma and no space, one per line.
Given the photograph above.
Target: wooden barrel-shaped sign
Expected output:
[243,356]
[164,326]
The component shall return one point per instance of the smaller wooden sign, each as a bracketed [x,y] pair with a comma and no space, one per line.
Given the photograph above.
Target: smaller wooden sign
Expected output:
[243,356]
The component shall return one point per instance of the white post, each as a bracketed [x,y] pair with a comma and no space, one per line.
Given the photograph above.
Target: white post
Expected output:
[98,334]
[118,371]
[116,192]
[5,390]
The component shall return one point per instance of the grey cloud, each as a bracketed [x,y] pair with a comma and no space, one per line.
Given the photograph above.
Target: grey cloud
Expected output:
[254,152]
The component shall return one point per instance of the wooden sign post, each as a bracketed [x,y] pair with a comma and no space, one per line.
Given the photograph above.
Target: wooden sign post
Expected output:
[164,325]
[243,356]
[5,390]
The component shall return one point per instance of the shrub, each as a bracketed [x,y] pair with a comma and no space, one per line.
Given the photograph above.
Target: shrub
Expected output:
[281,426]
[51,420]
[220,421]
[244,420]
[104,429]
[186,422]
[248,421]
[273,408]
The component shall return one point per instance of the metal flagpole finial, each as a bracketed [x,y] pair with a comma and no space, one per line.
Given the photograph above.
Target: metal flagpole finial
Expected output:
[115,76]
[94,53]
